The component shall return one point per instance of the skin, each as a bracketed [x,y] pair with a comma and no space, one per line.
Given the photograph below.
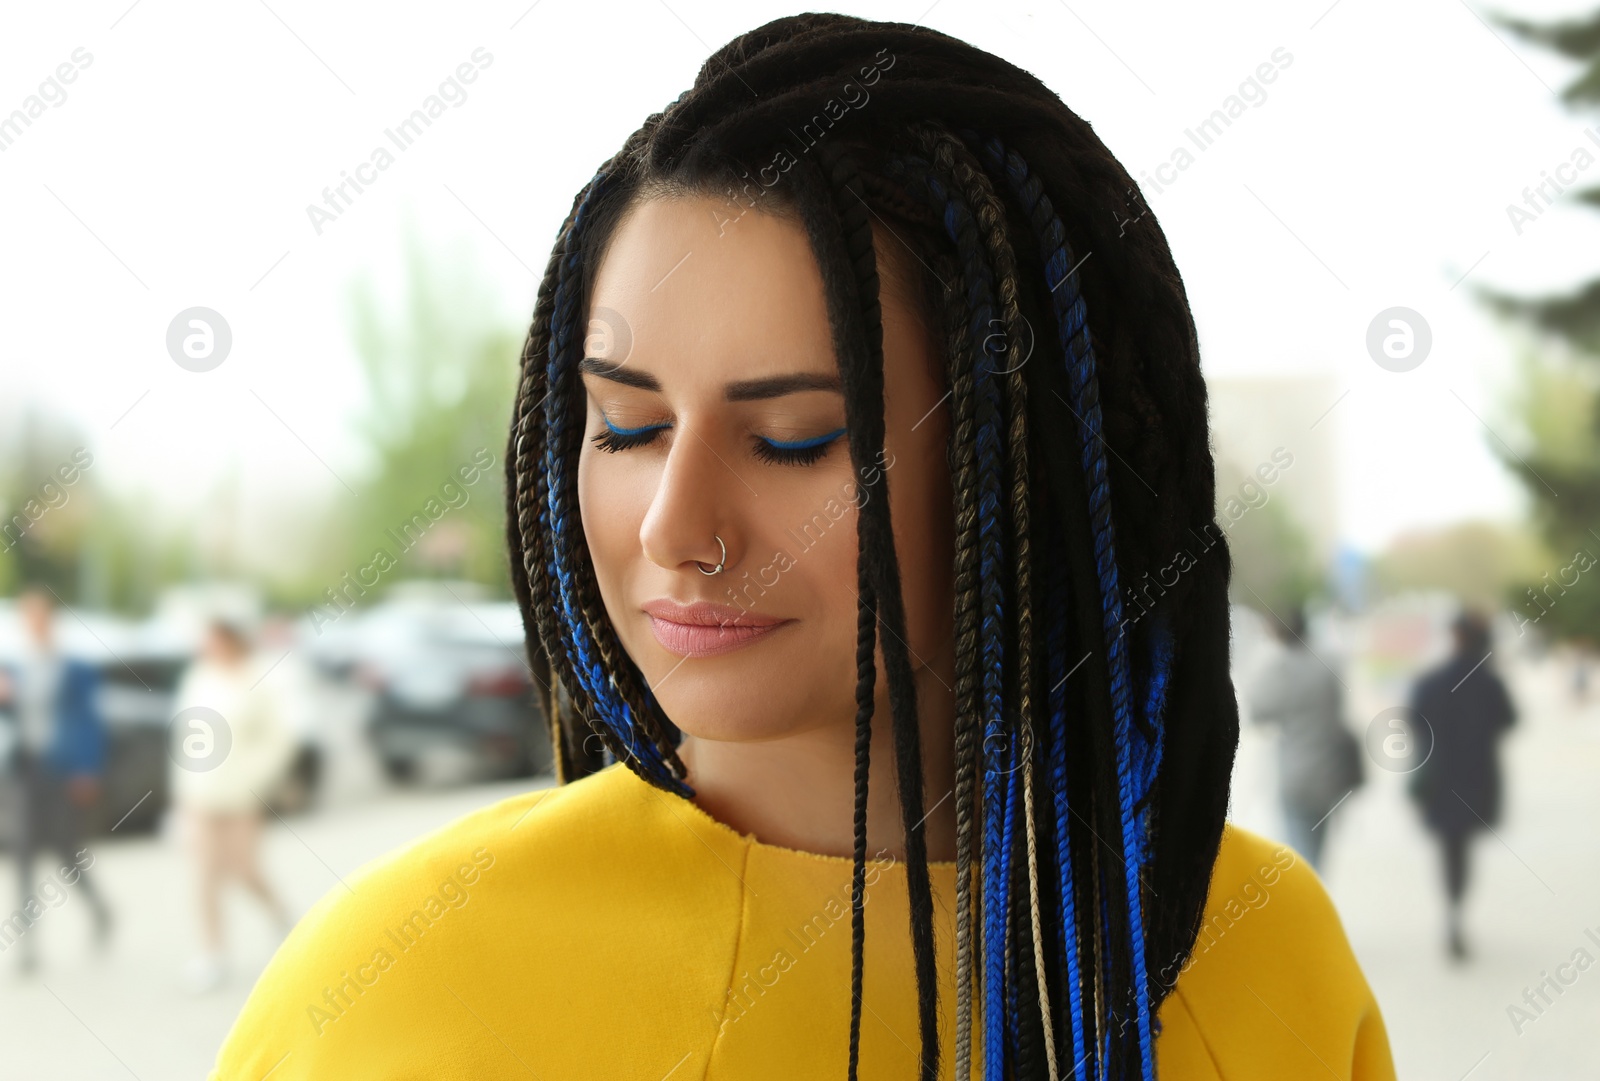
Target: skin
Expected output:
[770,727]
[223,649]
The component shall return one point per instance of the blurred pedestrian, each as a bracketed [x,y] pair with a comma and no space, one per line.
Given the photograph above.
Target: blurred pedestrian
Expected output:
[1319,761]
[1466,707]
[57,762]
[293,680]
[233,748]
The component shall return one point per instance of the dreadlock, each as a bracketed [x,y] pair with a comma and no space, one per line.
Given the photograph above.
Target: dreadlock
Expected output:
[1073,374]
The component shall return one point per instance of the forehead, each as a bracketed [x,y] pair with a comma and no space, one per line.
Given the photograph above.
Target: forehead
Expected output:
[687,286]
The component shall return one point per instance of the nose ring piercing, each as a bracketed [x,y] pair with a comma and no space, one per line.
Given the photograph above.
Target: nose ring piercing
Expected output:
[720,565]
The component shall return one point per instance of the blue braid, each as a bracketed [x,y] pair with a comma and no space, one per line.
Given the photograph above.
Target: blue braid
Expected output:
[581,651]
[999,744]
[996,901]
[1148,763]
[1019,762]
[1057,666]
[1061,276]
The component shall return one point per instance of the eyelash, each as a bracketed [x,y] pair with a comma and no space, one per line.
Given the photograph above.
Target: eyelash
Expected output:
[778,452]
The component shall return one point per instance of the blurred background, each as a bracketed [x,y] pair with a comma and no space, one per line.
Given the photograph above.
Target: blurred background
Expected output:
[252,426]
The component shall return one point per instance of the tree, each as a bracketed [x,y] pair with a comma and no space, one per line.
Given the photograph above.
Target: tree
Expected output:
[1558,410]
[440,375]
[1573,317]
[1560,407]
[45,502]
[1482,563]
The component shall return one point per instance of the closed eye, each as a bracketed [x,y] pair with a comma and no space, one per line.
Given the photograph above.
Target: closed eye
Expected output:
[614,439]
[795,451]
[775,451]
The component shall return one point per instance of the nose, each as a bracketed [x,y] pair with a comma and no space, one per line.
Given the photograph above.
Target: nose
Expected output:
[690,509]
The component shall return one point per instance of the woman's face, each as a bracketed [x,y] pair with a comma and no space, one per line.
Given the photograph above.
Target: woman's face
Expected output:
[714,410]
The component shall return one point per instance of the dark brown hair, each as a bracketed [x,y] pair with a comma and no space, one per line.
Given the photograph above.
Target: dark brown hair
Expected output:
[1093,744]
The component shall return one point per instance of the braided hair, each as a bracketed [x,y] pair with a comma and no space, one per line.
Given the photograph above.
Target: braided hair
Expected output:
[1095,727]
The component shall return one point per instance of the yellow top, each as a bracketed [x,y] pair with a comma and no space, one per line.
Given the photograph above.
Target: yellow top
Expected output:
[605,929]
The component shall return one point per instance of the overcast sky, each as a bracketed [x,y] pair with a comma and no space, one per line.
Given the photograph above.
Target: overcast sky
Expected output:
[1375,172]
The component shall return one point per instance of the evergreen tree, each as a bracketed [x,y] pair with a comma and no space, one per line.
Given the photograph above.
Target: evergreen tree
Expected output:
[1560,407]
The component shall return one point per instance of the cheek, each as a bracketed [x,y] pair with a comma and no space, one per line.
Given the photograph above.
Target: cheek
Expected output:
[818,673]
[824,571]
[801,538]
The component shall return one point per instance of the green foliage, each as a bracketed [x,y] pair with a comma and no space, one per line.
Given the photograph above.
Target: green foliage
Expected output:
[131,555]
[1558,407]
[1573,318]
[440,373]
[1478,562]
[42,519]
[1576,39]
[439,365]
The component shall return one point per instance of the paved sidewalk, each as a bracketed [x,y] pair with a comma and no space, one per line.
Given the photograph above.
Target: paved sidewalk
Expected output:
[1537,888]
[126,1015]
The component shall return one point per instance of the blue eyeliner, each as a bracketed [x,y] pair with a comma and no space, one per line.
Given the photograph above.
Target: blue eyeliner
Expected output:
[804,444]
[631,431]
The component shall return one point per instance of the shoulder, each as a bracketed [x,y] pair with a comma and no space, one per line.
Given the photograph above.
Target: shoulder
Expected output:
[376,971]
[1321,666]
[1257,876]
[1434,679]
[1272,984]
[542,827]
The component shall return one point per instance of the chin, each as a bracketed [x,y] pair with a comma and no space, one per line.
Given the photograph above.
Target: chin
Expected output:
[740,697]
[728,704]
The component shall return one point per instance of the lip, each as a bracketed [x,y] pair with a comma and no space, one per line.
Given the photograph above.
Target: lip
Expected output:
[704,629]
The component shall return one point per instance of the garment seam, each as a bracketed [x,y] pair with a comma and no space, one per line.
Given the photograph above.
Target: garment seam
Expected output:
[733,963]
[1216,1067]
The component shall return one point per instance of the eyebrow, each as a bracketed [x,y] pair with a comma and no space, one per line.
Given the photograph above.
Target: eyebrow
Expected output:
[745,390]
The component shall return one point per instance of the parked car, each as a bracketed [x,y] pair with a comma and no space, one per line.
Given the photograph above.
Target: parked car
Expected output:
[136,695]
[452,696]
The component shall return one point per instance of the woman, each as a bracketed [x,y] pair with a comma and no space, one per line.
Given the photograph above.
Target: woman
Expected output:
[1319,761]
[230,748]
[1457,784]
[814,536]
